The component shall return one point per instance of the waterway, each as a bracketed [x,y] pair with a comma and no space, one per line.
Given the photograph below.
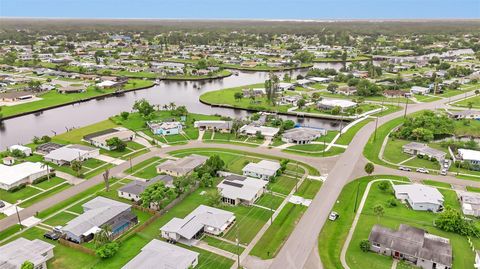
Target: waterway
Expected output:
[55,121]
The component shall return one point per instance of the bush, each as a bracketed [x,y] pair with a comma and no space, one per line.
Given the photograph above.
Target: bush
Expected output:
[107,250]
[392,202]
[17,188]
[365,245]
[42,179]
[384,186]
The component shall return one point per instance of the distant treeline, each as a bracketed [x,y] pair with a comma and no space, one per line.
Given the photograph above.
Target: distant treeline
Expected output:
[253,26]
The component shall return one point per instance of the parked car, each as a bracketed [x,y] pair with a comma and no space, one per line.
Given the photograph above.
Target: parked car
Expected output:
[2,204]
[443,172]
[333,216]
[52,235]
[403,168]
[58,229]
[423,170]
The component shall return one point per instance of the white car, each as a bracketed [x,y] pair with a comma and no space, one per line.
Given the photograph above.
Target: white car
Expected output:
[403,168]
[333,216]
[423,170]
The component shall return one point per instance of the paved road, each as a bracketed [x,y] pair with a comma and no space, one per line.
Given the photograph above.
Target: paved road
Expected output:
[297,251]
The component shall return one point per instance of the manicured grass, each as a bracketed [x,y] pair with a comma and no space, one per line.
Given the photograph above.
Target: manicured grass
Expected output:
[60,219]
[9,231]
[467,128]
[393,151]
[347,137]
[332,152]
[475,100]
[395,216]
[390,109]
[47,184]
[232,158]
[269,200]
[249,221]
[282,184]
[473,189]
[45,195]
[308,147]
[417,162]
[276,235]
[52,98]
[76,135]
[22,194]
[437,184]
[334,233]
[215,242]
[309,188]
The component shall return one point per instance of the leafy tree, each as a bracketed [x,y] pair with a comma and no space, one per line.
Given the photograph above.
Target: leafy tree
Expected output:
[451,220]
[287,77]
[392,202]
[332,87]
[211,166]
[107,250]
[17,153]
[369,168]
[104,236]
[288,124]
[425,126]
[206,180]
[365,245]
[143,107]
[304,56]
[214,198]
[301,103]
[116,144]
[76,166]
[336,110]
[180,111]
[183,183]
[124,115]
[259,135]
[27,265]
[157,194]
[283,165]
[238,96]
[379,211]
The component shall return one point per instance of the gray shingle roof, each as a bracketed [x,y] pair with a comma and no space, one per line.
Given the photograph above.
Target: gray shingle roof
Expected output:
[136,187]
[13,254]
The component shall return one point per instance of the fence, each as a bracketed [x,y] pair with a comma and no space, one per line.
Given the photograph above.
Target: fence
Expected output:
[76,246]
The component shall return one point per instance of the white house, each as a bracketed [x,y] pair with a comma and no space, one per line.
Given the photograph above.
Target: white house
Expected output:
[214,125]
[470,203]
[25,150]
[251,129]
[99,139]
[24,173]
[165,128]
[15,253]
[183,166]
[70,153]
[204,219]
[302,135]
[471,156]
[159,254]
[419,90]
[264,169]
[237,189]
[332,103]
[420,197]
[134,189]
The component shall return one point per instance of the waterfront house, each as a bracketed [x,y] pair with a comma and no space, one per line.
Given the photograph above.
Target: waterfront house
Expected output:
[99,139]
[302,135]
[165,128]
[221,126]
[332,103]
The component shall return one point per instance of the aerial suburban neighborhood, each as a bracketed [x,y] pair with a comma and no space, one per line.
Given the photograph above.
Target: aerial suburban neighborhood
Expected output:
[142,142]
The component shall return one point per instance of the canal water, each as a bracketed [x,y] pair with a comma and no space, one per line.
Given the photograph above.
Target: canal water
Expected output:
[55,121]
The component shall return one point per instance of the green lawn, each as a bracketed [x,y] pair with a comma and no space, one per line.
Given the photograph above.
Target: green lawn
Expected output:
[276,235]
[269,200]
[334,233]
[393,151]
[347,137]
[60,219]
[215,242]
[249,221]
[392,218]
[44,195]
[52,98]
[309,188]
[235,160]
[22,194]
[283,185]
[47,184]
[9,231]
[437,184]
[76,135]
[475,101]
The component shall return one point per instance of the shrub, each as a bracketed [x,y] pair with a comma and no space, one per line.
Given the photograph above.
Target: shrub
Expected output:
[42,179]
[365,245]
[107,250]
[384,186]
[392,202]
[17,188]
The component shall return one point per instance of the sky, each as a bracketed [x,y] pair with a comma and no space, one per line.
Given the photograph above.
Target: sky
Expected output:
[243,9]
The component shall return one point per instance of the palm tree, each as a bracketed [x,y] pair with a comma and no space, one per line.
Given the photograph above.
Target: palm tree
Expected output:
[172,105]
[470,105]
[103,236]
[165,106]
[48,170]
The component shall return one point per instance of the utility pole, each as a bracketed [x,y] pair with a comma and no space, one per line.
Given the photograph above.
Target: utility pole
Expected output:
[296,179]
[324,145]
[406,106]
[376,125]
[356,197]
[271,208]
[18,214]
[131,169]
[238,248]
